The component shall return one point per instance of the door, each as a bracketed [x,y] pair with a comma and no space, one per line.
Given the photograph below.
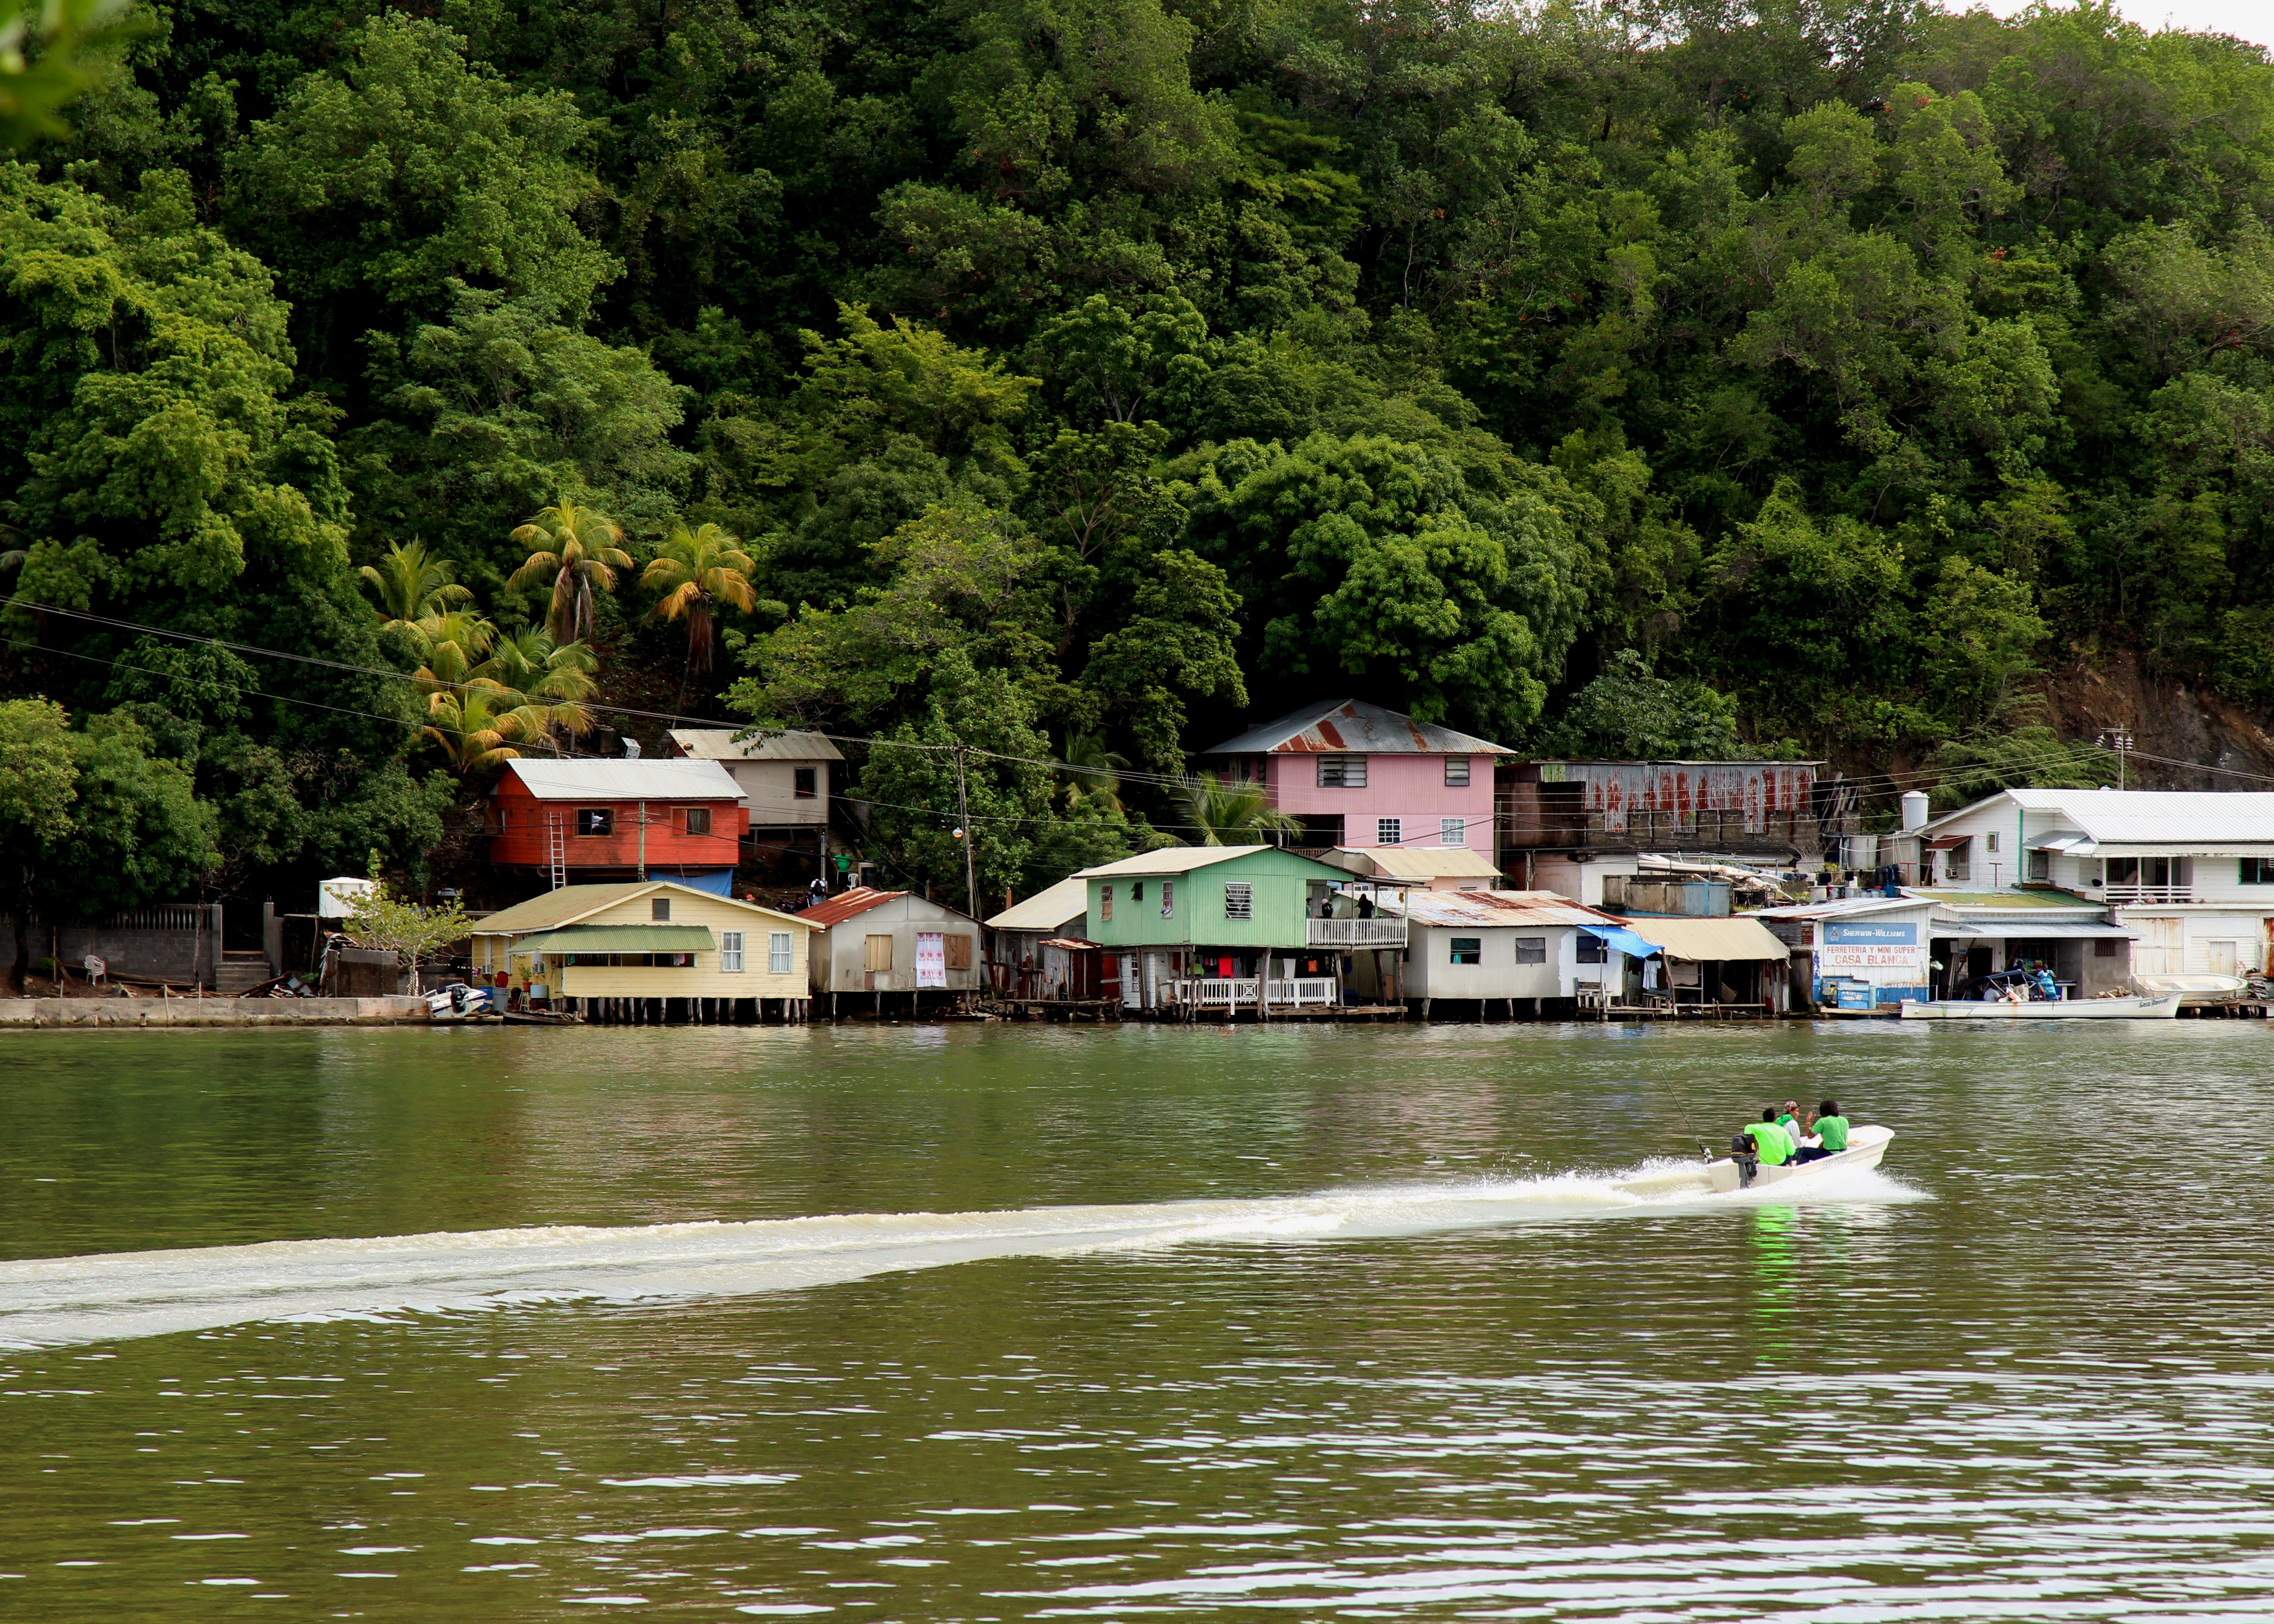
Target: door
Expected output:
[2219,957]
[2158,951]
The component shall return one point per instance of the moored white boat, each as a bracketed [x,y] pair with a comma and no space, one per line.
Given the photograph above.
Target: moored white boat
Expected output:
[1865,1146]
[2130,1007]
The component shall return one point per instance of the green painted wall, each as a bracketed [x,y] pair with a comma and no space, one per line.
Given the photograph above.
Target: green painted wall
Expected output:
[1282,881]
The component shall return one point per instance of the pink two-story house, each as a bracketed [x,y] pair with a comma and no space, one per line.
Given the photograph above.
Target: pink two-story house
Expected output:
[1359,775]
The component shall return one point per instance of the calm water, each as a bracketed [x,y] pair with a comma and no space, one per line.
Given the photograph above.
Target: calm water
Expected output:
[1364,1336]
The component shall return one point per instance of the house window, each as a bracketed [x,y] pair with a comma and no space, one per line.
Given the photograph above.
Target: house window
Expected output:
[595,821]
[1531,950]
[1468,950]
[698,820]
[1989,841]
[778,953]
[1591,950]
[958,953]
[2040,864]
[1137,890]
[730,950]
[1168,898]
[1342,772]
[2105,948]
[1453,832]
[1457,772]
[876,953]
[2257,871]
[1106,903]
[1388,831]
[658,908]
[1238,900]
[802,782]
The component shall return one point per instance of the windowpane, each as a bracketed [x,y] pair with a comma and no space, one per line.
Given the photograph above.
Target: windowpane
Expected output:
[1531,950]
[698,820]
[658,908]
[1591,950]
[2257,871]
[778,953]
[802,782]
[730,950]
[1342,772]
[1238,900]
[1106,903]
[1168,898]
[1468,950]
[595,821]
[1453,832]
[1457,771]
[1388,831]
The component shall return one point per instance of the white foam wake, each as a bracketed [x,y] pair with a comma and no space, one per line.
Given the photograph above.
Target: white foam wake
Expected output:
[106,1296]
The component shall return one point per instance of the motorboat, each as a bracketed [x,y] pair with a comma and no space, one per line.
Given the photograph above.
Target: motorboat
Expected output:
[1865,1145]
[2125,1006]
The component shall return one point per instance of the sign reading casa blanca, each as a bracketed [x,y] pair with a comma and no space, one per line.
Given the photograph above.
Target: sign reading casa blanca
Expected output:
[1863,945]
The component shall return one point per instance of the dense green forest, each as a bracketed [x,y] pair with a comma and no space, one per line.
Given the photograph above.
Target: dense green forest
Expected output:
[1069,379]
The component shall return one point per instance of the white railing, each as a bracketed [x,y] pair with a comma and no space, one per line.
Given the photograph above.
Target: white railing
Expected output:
[1354,932]
[1238,991]
[2124,896]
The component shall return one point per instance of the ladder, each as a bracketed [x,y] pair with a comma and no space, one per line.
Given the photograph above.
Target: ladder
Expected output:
[556,853]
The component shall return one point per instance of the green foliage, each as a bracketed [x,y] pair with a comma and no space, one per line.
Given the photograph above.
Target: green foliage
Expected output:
[1213,811]
[412,930]
[1631,713]
[51,53]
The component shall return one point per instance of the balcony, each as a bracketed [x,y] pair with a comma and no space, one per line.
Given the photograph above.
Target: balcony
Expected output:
[1347,933]
[1239,992]
[2137,896]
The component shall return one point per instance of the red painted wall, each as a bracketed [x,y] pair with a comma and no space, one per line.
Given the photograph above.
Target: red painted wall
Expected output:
[519,818]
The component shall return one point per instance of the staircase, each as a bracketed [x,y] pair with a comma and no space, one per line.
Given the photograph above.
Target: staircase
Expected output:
[240,972]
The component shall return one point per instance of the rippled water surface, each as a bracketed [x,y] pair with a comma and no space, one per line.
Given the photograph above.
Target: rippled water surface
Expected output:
[1352,1324]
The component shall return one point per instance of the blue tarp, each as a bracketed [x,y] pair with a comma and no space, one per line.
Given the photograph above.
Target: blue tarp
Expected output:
[718,881]
[1620,939]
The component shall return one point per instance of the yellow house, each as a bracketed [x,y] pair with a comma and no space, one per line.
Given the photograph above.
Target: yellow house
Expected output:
[629,952]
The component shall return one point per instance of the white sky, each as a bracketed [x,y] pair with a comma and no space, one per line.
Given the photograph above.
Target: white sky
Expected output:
[2246,19]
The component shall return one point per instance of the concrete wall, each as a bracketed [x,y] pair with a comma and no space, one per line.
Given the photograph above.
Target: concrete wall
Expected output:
[184,957]
[24,1012]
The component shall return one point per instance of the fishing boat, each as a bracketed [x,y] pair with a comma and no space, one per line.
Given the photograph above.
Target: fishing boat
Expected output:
[1865,1146]
[2128,1006]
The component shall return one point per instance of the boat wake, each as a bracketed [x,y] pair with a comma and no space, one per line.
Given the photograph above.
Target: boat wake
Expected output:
[51,1302]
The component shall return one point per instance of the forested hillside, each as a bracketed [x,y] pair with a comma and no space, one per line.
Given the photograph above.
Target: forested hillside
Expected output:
[1070,377]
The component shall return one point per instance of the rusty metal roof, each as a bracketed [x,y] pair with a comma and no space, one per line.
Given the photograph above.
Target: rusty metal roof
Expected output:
[846,905]
[1357,727]
[1485,908]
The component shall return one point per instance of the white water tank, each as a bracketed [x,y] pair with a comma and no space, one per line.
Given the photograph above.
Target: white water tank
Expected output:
[1859,852]
[1914,810]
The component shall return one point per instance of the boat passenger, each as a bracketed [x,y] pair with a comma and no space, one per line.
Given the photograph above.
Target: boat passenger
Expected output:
[1769,1140]
[1789,1119]
[1832,1132]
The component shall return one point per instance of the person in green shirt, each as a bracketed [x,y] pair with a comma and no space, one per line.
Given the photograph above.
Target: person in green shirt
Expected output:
[1771,1143]
[1831,1132]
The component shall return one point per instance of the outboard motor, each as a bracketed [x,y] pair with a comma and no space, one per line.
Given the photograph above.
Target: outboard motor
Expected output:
[1747,1155]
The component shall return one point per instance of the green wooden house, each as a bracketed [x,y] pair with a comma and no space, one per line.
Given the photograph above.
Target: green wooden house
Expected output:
[1226,915]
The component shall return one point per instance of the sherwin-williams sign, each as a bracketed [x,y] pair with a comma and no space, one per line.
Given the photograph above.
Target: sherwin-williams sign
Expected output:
[1864,944]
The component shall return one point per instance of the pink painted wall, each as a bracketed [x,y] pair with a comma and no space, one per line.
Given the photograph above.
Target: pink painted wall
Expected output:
[1411,787]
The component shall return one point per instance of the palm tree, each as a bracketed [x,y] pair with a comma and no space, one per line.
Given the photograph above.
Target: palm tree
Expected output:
[1094,772]
[557,678]
[477,727]
[579,547]
[1231,811]
[695,572]
[450,641]
[412,584]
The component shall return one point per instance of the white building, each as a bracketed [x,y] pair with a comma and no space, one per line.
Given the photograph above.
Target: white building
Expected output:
[784,779]
[1491,947]
[1872,953]
[2188,873]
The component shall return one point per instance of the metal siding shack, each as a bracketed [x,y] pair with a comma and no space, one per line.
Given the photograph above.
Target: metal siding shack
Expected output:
[851,918]
[1496,919]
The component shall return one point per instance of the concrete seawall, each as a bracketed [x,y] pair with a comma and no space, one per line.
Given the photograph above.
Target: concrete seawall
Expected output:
[24,1012]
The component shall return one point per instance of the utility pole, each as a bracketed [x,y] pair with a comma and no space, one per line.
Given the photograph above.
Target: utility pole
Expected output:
[2119,739]
[970,865]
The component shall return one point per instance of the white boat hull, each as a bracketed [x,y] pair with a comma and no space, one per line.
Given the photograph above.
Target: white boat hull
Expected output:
[1865,1146]
[2129,1008]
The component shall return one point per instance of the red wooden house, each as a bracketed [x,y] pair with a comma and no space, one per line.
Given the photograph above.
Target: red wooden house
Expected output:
[602,819]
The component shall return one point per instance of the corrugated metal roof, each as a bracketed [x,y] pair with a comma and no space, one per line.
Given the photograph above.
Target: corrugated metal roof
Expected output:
[727,744]
[620,939]
[2016,900]
[1842,907]
[1417,862]
[1497,908]
[1702,940]
[1046,910]
[568,904]
[667,778]
[1354,726]
[1168,860]
[847,904]
[2035,930]
[2149,818]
